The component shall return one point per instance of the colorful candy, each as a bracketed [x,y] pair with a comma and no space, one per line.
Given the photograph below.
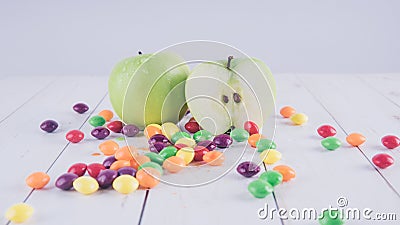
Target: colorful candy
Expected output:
[106,114]
[214,158]
[168,152]
[152,165]
[169,129]
[78,168]
[270,156]
[199,152]
[19,213]
[264,144]
[85,185]
[390,141]
[157,147]
[239,134]
[186,141]
[127,171]
[94,169]
[154,157]
[109,161]
[223,141]
[287,111]
[248,169]
[287,172]
[148,178]
[192,127]
[108,147]
[37,180]
[331,143]
[151,130]
[115,126]
[186,153]
[202,135]
[251,127]
[120,164]
[158,138]
[299,118]
[126,153]
[326,131]
[330,217]
[139,160]
[106,178]
[125,184]
[259,188]
[64,182]
[272,177]
[130,130]
[253,139]
[49,126]
[382,160]
[80,108]
[210,145]
[174,164]
[355,139]
[97,121]
[175,137]
[100,132]
[74,136]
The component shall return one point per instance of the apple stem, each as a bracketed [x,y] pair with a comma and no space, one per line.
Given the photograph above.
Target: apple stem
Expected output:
[229,62]
[139,52]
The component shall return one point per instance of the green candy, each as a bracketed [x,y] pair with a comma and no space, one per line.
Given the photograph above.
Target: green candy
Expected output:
[168,152]
[331,143]
[97,121]
[260,188]
[239,134]
[179,135]
[152,165]
[330,217]
[154,157]
[265,144]
[272,177]
[202,135]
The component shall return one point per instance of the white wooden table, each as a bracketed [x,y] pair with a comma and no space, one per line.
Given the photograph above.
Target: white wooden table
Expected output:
[369,104]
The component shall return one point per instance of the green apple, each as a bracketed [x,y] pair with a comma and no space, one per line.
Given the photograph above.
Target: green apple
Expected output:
[149,88]
[228,93]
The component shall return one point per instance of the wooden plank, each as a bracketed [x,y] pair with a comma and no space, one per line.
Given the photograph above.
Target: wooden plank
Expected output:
[386,85]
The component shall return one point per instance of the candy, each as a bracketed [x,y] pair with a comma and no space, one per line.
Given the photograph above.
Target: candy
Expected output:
[199,152]
[287,172]
[115,126]
[272,177]
[178,136]
[80,108]
[78,169]
[326,131]
[214,158]
[64,182]
[330,217]
[186,141]
[186,153]
[94,169]
[264,144]
[331,143]
[210,145]
[108,147]
[390,141]
[239,134]
[74,136]
[100,132]
[152,129]
[259,188]
[148,178]
[97,121]
[169,129]
[86,185]
[19,213]
[37,180]
[109,161]
[158,138]
[299,118]
[168,152]
[106,114]
[287,111]
[179,146]
[130,130]
[106,178]
[355,139]
[127,171]
[49,126]
[192,127]
[154,157]
[125,153]
[152,165]
[125,184]
[157,147]
[382,160]
[248,169]
[222,141]
[174,164]
[120,164]
[270,156]
[202,135]
[251,127]
[139,160]
[253,139]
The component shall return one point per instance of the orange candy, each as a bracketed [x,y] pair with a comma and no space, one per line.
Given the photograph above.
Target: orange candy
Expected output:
[174,164]
[109,147]
[254,138]
[287,111]
[355,139]
[106,114]
[139,160]
[126,153]
[287,172]
[152,129]
[214,158]
[119,164]
[148,177]
[37,180]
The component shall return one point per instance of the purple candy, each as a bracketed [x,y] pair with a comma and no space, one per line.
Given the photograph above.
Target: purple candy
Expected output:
[130,130]
[49,126]
[109,161]
[127,171]
[158,138]
[210,145]
[222,140]
[157,147]
[248,169]
[106,178]
[80,108]
[100,132]
[64,182]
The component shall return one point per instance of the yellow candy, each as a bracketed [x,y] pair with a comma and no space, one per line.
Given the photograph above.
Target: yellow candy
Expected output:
[125,184]
[86,185]
[299,118]
[19,213]
[270,156]
[186,141]
[186,153]
[169,129]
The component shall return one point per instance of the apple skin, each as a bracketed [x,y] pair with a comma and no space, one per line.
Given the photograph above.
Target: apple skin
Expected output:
[149,88]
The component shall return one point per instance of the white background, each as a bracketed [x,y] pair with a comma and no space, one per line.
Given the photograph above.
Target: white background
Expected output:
[89,37]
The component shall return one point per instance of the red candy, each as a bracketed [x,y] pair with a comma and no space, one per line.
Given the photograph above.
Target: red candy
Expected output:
[78,168]
[94,169]
[115,126]
[326,131]
[192,127]
[75,136]
[390,141]
[382,160]
[179,146]
[199,152]
[251,127]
